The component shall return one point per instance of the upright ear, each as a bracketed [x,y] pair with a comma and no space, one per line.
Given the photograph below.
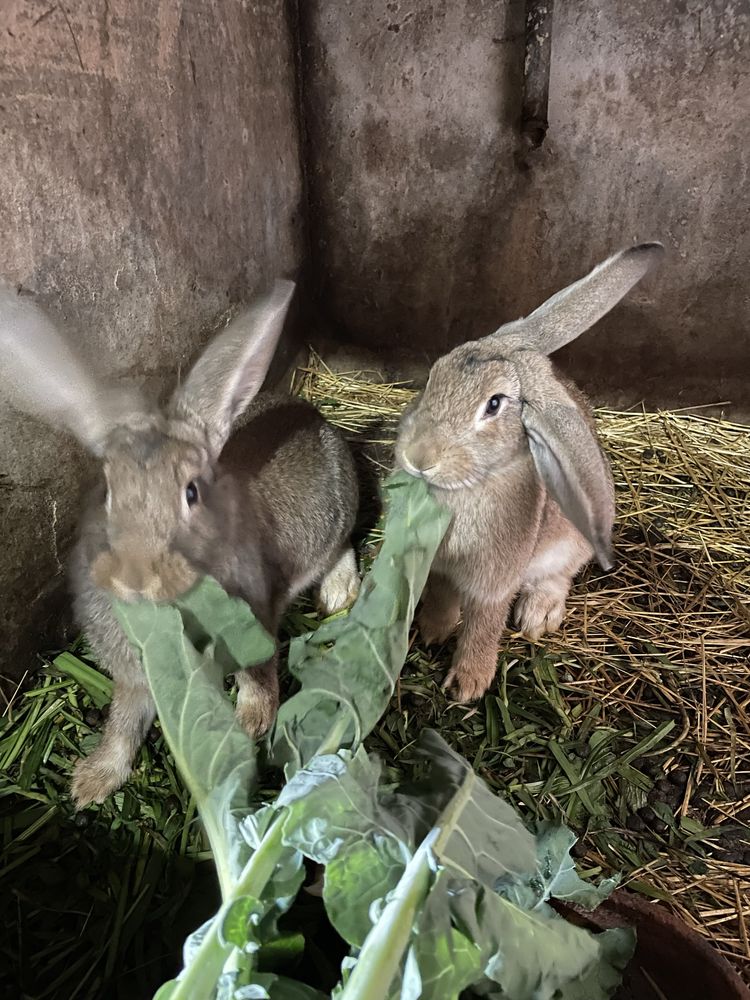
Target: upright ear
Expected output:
[232,368]
[573,310]
[574,470]
[42,374]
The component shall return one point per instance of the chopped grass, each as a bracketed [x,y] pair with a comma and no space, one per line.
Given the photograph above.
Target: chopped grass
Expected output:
[631,725]
[99,897]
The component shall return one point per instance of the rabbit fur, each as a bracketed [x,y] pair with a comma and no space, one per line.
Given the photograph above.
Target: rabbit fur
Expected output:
[265,504]
[509,445]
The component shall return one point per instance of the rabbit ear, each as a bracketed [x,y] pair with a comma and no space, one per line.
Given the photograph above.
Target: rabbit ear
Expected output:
[232,368]
[570,312]
[573,469]
[43,375]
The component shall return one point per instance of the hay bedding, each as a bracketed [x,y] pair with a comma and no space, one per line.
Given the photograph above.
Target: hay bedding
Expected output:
[631,725]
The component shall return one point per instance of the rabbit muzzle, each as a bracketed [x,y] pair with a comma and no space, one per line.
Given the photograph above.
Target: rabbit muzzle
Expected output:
[419,472]
[417,458]
[131,575]
[453,470]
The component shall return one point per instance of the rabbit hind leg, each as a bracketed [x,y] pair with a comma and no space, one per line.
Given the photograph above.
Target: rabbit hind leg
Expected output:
[440,612]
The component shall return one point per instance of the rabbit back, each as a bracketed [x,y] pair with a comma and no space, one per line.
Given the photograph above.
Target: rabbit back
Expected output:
[287,496]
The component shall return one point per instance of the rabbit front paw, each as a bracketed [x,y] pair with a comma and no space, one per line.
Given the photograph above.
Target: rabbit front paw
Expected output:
[256,718]
[539,611]
[468,680]
[257,698]
[340,587]
[96,777]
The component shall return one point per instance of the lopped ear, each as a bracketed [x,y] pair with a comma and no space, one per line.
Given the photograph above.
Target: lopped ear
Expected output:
[232,368]
[42,374]
[574,470]
[570,312]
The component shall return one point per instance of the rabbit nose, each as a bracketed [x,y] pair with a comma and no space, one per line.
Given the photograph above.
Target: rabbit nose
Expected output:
[418,465]
[133,578]
[411,469]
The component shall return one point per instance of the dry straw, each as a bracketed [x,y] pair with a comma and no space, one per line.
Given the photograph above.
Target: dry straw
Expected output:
[634,721]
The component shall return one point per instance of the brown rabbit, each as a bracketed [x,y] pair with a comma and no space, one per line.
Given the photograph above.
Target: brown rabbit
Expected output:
[508,444]
[267,508]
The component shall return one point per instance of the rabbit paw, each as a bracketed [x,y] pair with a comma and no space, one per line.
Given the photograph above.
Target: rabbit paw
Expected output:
[435,626]
[340,586]
[469,680]
[256,715]
[539,611]
[95,778]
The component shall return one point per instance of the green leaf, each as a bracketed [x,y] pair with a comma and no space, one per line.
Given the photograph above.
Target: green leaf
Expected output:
[195,941]
[235,925]
[283,877]
[441,931]
[268,986]
[375,887]
[601,979]
[344,691]
[218,765]
[358,877]
[480,835]
[185,649]
[211,618]
[349,666]
[332,801]
[441,962]
[335,818]
[166,990]
[282,952]
[383,951]
[552,952]
[555,876]
[538,955]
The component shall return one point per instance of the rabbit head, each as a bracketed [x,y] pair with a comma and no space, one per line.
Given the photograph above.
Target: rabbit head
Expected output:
[490,402]
[158,466]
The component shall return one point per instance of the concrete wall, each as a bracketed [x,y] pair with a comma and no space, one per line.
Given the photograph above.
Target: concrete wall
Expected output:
[149,177]
[432,225]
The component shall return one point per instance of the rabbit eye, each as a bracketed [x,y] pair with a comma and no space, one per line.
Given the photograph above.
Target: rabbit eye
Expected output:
[494,404]
[191,494]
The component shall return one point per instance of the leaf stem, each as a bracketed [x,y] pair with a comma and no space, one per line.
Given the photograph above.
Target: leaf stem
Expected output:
[332,742]
[201,976]
[384,947]
[261,866]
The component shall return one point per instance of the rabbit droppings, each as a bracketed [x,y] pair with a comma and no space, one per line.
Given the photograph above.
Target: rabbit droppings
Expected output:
[508,444]
[266,507]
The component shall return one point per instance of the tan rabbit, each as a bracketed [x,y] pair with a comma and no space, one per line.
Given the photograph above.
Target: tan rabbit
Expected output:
[508,444]
[267,508]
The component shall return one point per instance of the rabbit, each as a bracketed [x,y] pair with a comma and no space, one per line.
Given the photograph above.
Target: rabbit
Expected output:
[508,444]
[265,505]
